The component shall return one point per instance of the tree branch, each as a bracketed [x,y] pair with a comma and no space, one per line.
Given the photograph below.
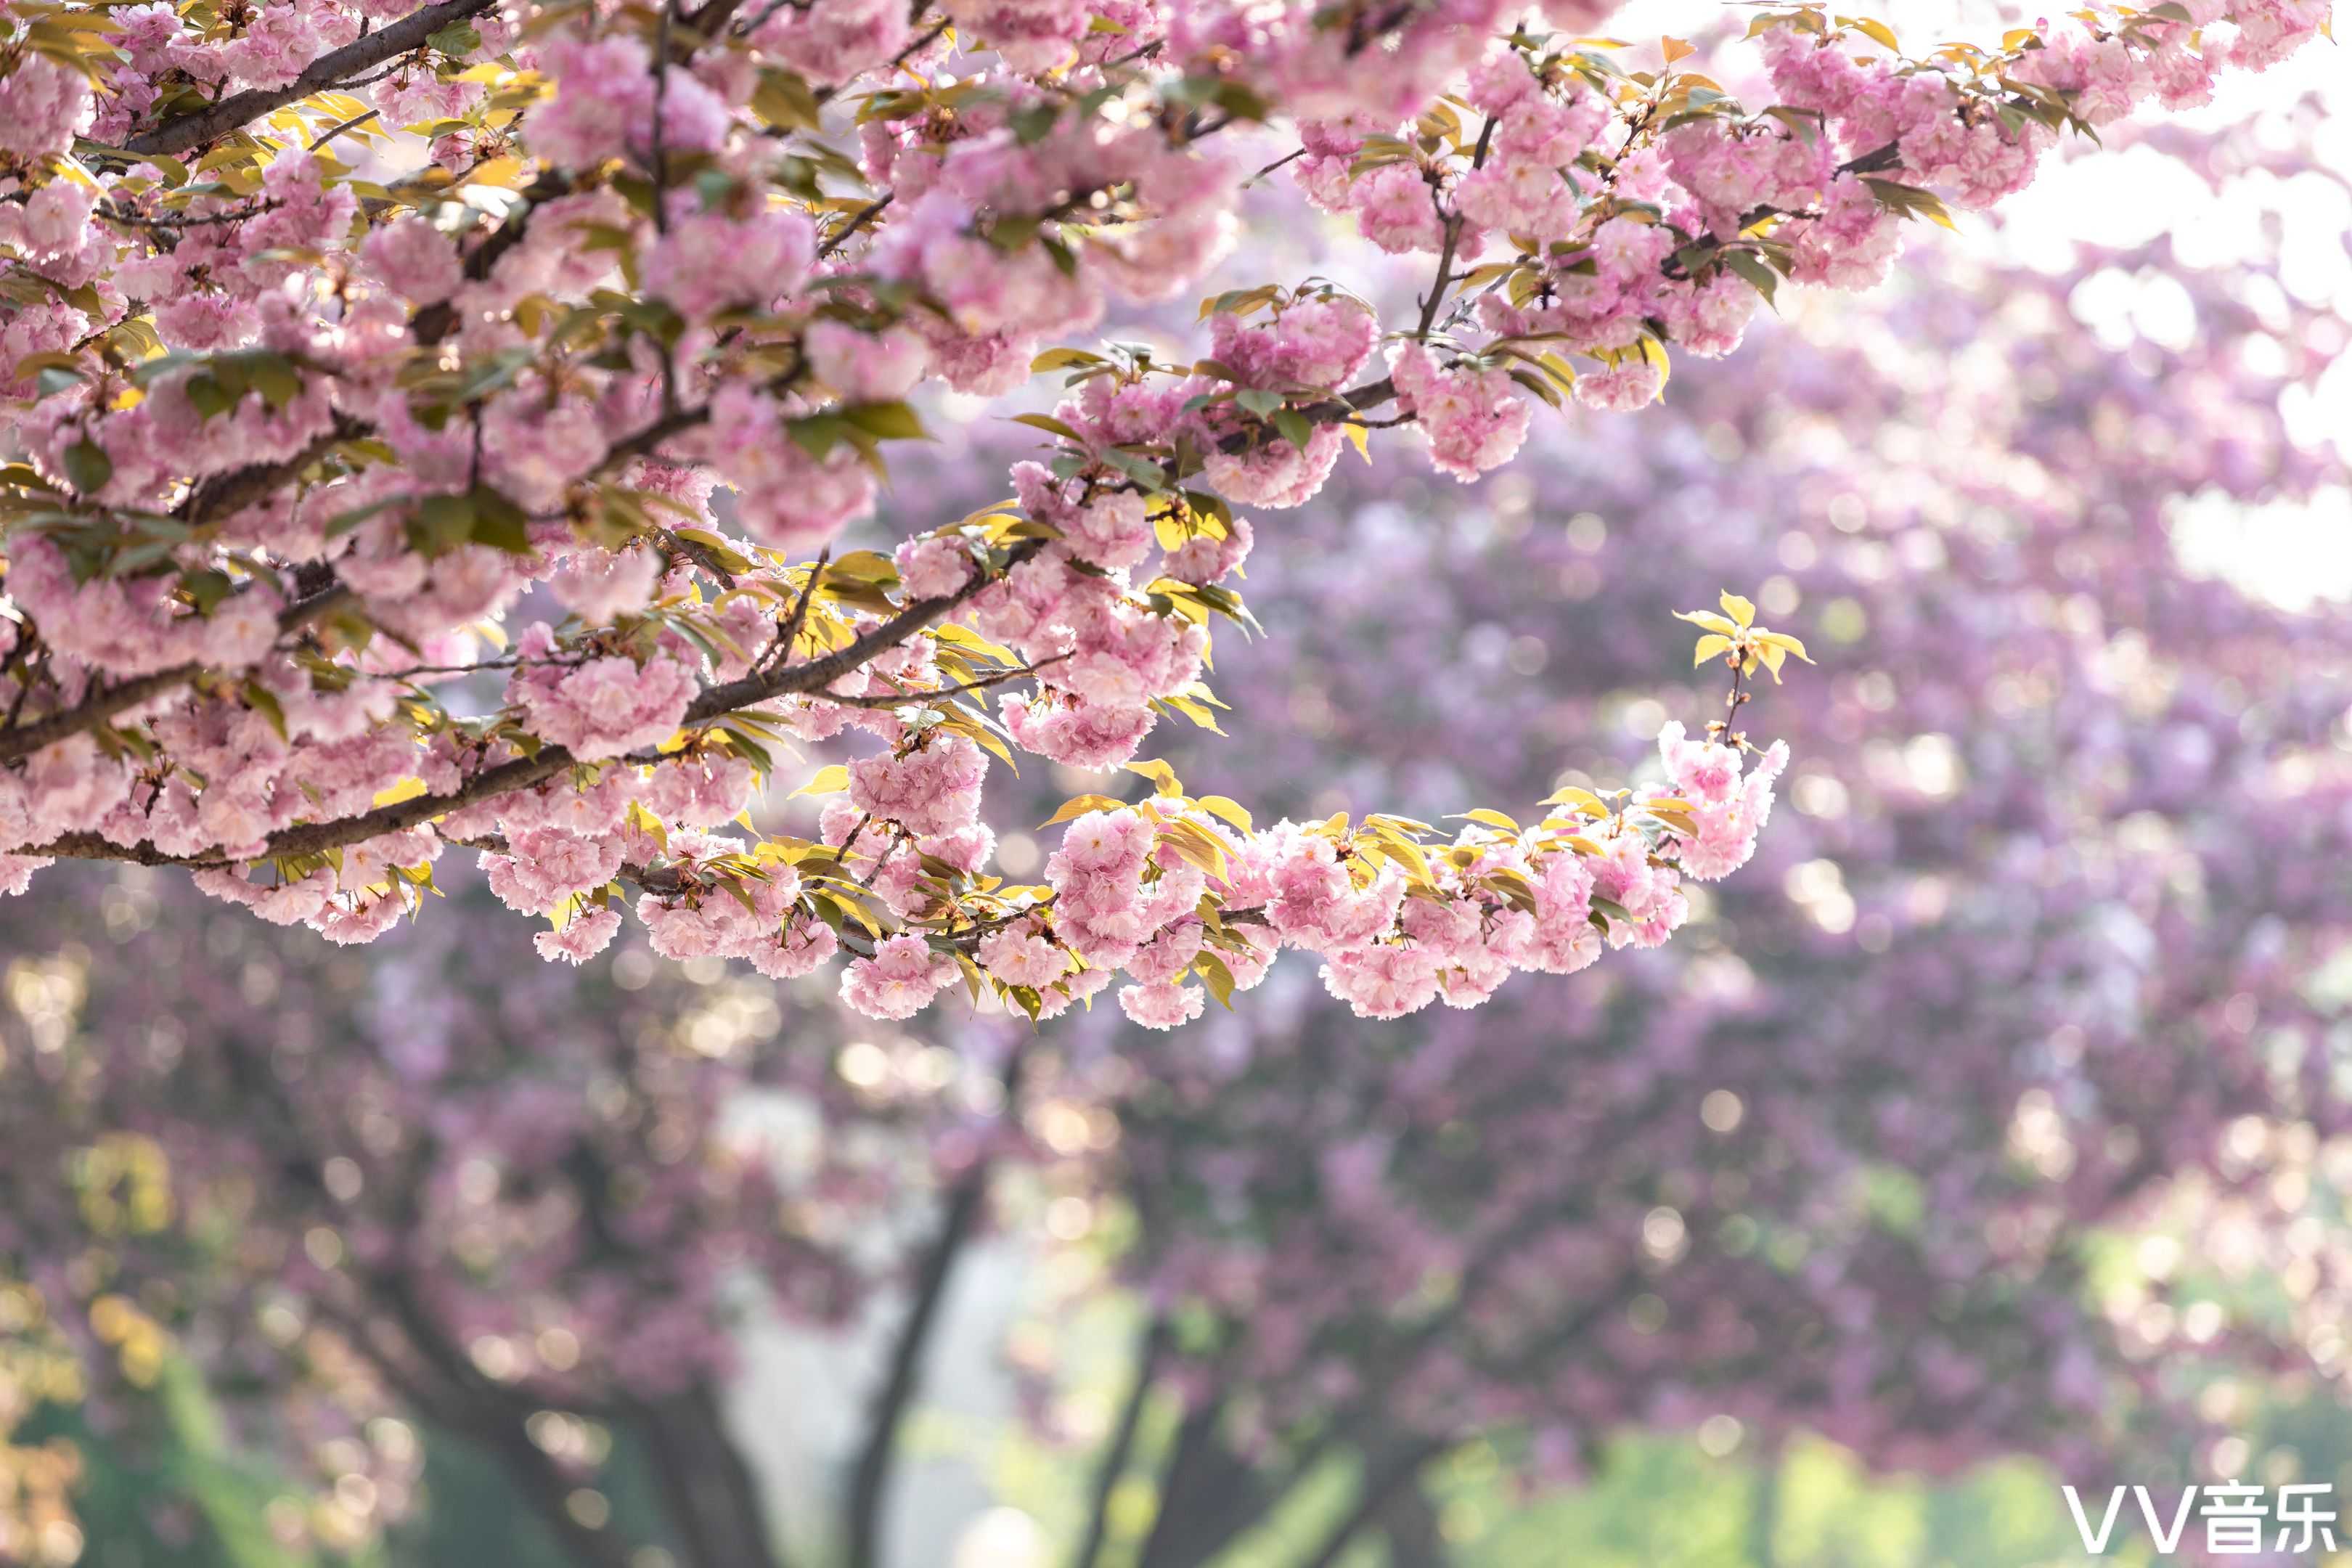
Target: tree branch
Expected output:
[23,739]
[436,321]
[864,215]
[363,53]
[750,691]
[225,495]
[522,773]
[1452,239]
[906,698]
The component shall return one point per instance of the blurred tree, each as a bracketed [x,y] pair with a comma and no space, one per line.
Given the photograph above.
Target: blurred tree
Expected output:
[2039,948]
[2030,962]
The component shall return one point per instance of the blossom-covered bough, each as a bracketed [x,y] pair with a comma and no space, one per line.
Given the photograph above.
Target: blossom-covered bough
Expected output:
[334,331]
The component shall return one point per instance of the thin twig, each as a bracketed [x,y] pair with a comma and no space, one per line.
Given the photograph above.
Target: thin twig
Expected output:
[916,698]
[1452,239]
[353,124]
[866,214]
[1270,168]
[789,632]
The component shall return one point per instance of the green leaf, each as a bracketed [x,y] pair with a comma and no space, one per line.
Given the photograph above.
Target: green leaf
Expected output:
[1032,122]
[1216,976]
[1048,424]
[830,779]
[887,421]
[457,38]
[1749,265]
[205,590]
[441,523]
[87,466]
[784,99]
[500,523]
[275,378]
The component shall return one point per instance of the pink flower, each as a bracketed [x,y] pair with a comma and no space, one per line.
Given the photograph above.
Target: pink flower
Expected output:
[1163,1005]
[588,934]
[1397,211]
[933,568]
[1277,475]
[933,789]
[898,981]
[601,586]
[1314,343]
[608,707]
[1019,957]
[831,41]
[1382,981]
[1730,811]
[1469,416]
[603,105]
[43,106]
[700,791]
[710,260]
[1203,559]
[866,367]
[1621,388]
[1077,733]
[414,260]
[785,496]
[806,944]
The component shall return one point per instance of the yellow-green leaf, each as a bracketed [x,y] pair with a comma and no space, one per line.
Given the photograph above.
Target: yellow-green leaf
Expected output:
[1078,805]
[830,779]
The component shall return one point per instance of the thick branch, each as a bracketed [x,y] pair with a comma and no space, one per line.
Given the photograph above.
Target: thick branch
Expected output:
[1208,1494]
[98,708]
[362,54]
[225,495]
[24,739]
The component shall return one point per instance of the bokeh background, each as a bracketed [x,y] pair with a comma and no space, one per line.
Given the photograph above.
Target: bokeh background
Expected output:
[1992,1131]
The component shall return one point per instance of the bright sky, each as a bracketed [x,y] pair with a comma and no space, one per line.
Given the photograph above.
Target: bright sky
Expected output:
[2290,553]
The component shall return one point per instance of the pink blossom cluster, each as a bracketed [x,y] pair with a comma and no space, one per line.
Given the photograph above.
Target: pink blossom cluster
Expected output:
[1469,416]
[303,449]
[1132,892]
[604,707]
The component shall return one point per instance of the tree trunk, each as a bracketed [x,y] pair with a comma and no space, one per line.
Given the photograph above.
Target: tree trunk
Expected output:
[1409,1522]
[706,1489]
[1122,1443]
[1207,1497]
